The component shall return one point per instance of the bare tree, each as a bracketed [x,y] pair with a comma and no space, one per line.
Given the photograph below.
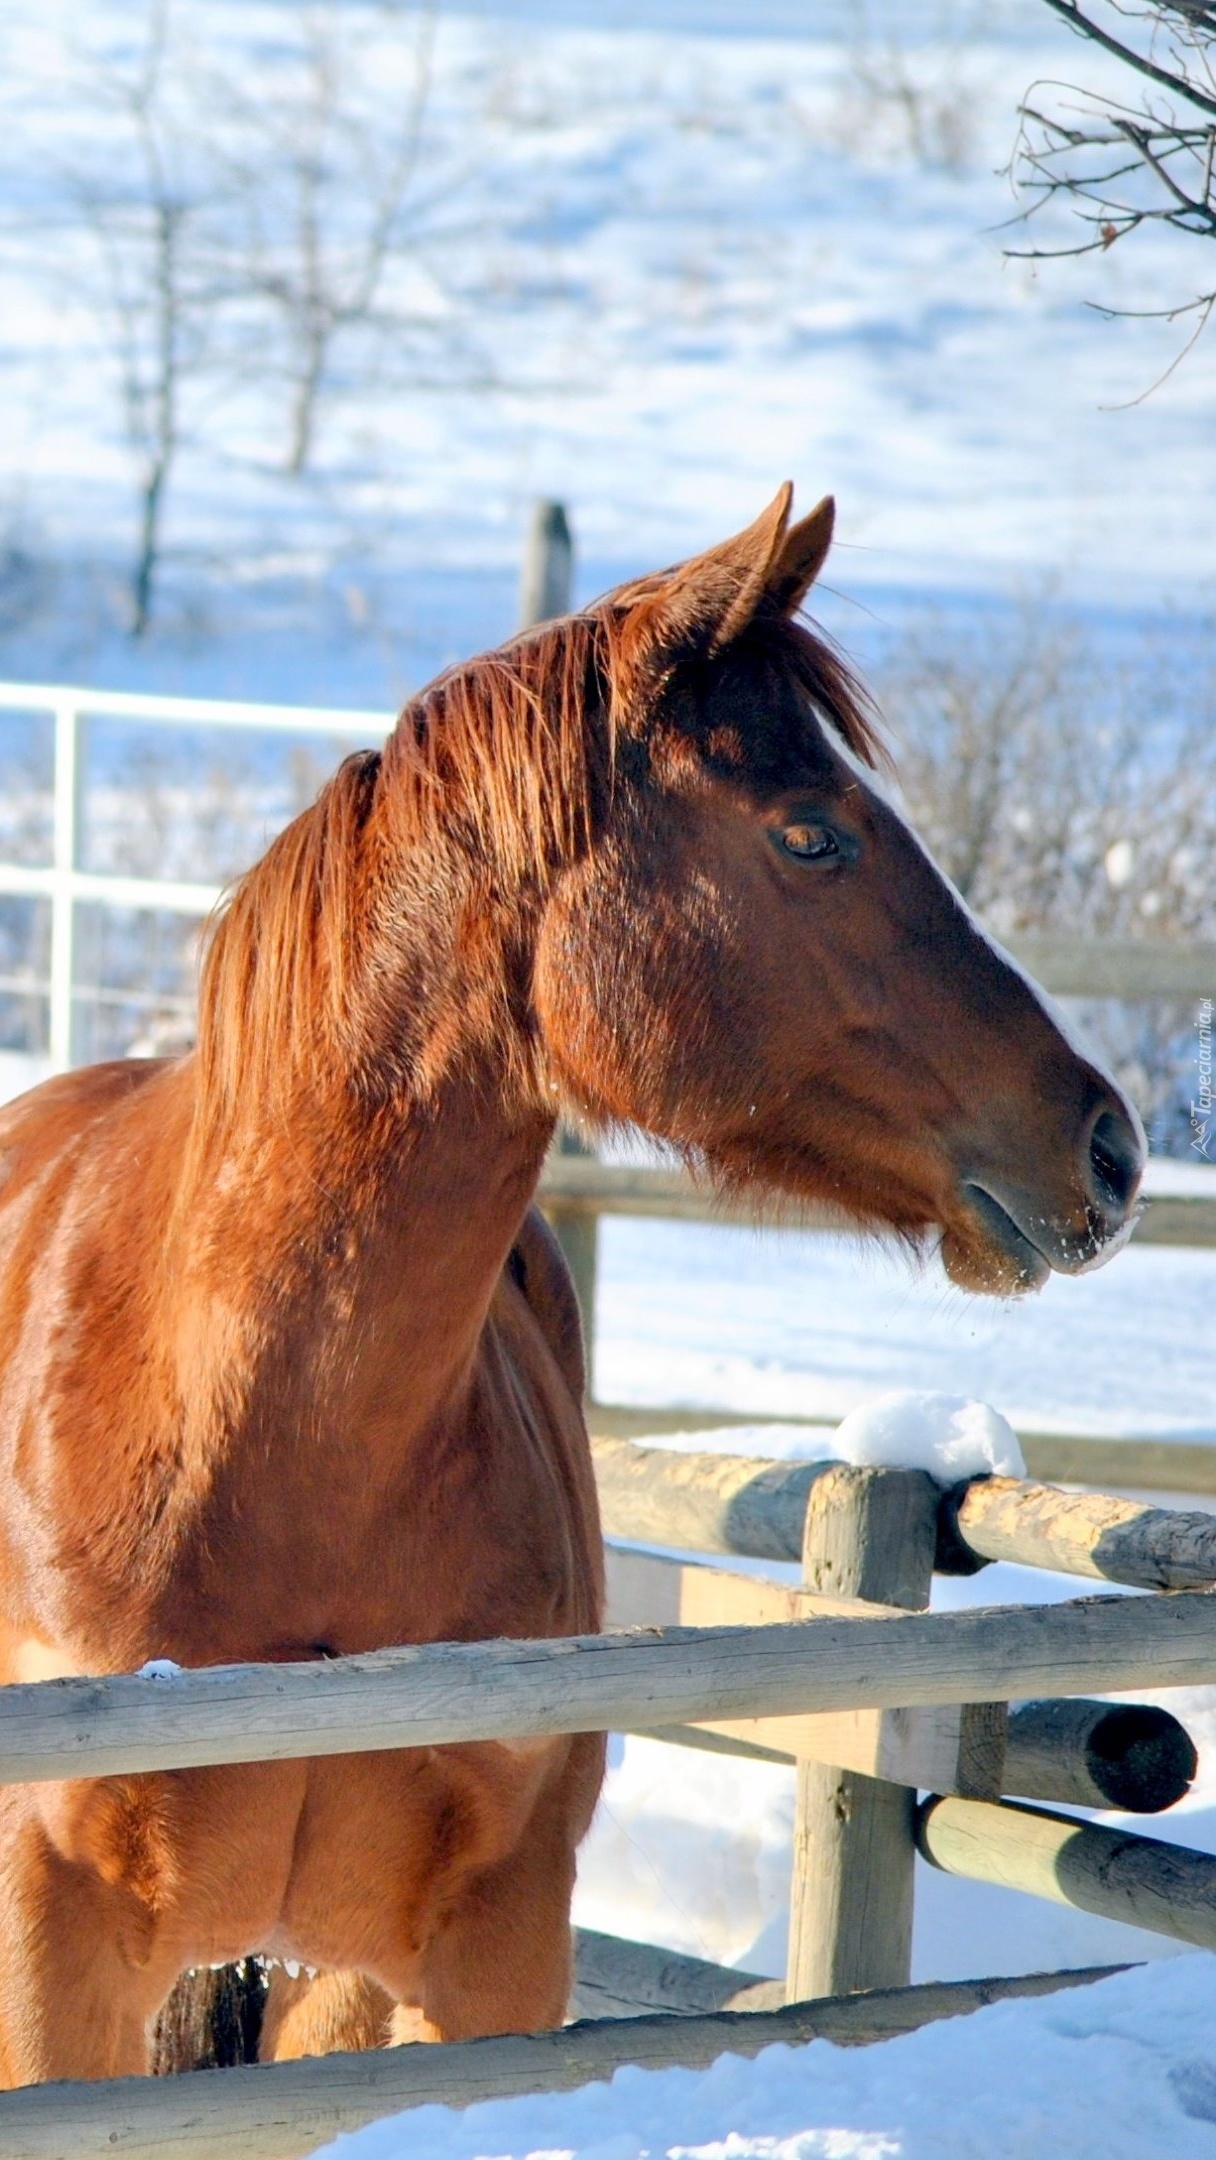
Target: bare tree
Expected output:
[1123,166]
[250,232]
[1062,793]
[334,201]
[909,102]
[152,286]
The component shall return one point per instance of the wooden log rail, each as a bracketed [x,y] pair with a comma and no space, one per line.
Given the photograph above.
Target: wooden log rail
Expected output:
[1141,1881]
[281,2111]
[704,1502]
[1130,1756]
[736,1504]
[1134,1757]
[1136,1463]
[1095,1534]
[851,1656]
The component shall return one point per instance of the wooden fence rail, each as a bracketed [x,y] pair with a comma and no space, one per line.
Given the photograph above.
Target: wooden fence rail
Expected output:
[1137,1461]
[878,1533]
[1138,970]
[1131,1757]
[813,1655]
[757,1509]
[284,2110]
[1094,1534]
[1143,1882]
[852,1657]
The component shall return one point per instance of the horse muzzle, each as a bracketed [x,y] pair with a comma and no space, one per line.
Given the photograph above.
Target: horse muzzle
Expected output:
[1008,1236]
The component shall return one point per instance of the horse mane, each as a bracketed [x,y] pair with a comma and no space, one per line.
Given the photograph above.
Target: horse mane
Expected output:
[508,757]
[281,954]
[511,759]
[512,755]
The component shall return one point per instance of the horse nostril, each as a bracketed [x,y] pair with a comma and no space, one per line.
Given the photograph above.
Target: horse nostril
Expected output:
[1115,1163]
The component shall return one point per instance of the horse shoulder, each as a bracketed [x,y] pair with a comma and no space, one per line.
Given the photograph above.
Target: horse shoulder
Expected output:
[84,1193]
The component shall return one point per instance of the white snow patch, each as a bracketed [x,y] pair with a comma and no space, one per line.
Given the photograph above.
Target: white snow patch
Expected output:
[947,1435]
[950,1436]
[1110,2072]
[160,1668]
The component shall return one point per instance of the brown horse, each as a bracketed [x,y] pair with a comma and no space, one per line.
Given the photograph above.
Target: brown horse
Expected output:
[288,1367]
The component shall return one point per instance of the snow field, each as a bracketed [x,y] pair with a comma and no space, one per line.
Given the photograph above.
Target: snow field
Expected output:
[1118,2071]
[694,255]
[700,262]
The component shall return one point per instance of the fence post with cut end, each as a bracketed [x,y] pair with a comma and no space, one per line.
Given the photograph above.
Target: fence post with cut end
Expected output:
[869,1533]
[544,592]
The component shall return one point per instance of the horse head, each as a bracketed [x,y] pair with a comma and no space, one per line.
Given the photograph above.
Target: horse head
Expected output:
[754,958]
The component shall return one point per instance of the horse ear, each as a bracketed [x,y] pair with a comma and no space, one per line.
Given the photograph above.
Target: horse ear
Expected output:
[708,601]
[802,557]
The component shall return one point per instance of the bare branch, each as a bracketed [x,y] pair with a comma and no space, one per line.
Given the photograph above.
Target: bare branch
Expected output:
[323,172]
[138,207]
[1126,169]
[1084,25]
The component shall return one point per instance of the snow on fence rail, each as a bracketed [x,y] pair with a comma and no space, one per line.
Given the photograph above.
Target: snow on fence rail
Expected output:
[1058,1458]
[757,1509]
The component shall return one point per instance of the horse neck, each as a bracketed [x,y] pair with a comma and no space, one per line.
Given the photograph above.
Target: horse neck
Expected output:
[338,1275]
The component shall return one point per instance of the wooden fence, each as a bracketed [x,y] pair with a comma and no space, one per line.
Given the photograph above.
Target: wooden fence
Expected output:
[874,1698]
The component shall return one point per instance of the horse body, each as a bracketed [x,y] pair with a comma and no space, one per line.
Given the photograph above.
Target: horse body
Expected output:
[310,1481]
[288,1369]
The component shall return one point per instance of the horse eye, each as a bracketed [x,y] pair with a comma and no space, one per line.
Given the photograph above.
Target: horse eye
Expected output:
[811,843]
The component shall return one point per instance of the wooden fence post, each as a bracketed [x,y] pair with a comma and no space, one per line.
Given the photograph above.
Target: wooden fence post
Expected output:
[545,588]
[870,1533]
[545,582]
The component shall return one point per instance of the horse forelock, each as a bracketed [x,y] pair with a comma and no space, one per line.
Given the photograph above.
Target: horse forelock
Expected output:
[828,680]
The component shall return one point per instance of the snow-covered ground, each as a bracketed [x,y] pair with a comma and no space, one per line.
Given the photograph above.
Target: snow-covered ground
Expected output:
[698,254]
[1118,2071]
[808,1326]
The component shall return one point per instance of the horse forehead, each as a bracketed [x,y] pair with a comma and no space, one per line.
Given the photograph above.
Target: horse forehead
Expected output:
[775,759]
[767,728]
